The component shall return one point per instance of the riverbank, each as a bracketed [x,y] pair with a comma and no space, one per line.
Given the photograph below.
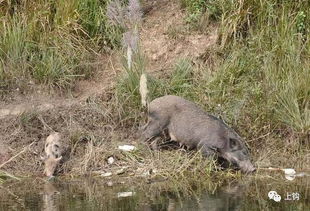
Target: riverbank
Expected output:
[253,75]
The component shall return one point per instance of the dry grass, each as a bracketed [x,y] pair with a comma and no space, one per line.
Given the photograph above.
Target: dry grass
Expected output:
[92,133]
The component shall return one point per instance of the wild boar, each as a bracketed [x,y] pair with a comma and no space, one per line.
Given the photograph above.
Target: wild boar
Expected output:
[53,153]
[188,124]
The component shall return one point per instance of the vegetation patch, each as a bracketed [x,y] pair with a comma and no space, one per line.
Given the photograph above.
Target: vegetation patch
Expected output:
[262,69]
[256,78]
[52,43]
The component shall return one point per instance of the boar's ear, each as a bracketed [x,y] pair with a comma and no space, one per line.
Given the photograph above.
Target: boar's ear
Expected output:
[234,144]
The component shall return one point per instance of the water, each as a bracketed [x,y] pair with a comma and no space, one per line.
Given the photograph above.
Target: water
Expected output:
[249,193]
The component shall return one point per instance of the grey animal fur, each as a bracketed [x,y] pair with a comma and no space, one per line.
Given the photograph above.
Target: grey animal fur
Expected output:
[188,124]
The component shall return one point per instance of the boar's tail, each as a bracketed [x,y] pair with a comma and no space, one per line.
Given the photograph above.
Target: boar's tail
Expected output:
[143,89]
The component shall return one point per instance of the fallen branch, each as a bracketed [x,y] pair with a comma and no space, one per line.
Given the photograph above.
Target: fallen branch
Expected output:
[15,156]
[282,169]
[270,169]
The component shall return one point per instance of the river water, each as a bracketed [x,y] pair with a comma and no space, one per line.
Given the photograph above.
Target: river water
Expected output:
[247,193]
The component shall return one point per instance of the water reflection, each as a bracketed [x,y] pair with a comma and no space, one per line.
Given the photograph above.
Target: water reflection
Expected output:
[228,197]
[49,197]
[90,194]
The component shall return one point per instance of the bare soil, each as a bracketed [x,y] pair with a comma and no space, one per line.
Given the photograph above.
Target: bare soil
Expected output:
[166,37]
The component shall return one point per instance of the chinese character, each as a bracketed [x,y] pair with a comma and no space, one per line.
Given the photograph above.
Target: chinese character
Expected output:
[296,196]
[288,197]
[292,196]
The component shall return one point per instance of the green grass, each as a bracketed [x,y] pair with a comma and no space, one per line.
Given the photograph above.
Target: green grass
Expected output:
[52,43]
[195,10]
[262,76]
[127,89]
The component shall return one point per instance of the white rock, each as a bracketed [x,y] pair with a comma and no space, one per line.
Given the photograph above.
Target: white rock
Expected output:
[111,160]
[120,171]
[289,177]
[289,171]
[125,194]
[106,174]
[127,148]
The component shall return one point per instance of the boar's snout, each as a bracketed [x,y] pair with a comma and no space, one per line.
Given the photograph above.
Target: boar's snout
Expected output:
[240,160]
[50,165]
[247,167]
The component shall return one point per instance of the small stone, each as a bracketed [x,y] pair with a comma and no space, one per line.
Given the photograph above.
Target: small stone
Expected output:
[120,171]
[289,177]
[289,171]
[126,148]
[125,194]
[111,160]
[108,174]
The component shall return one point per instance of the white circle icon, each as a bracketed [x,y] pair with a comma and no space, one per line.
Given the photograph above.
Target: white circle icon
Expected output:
[277,198]
[274,195]
[271,194]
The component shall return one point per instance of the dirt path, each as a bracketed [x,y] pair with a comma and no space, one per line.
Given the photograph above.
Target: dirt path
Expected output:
[164,39]
[107,68]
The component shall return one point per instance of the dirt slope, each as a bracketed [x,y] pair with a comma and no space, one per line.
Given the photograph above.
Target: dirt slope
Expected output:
[165,36]
[85,113]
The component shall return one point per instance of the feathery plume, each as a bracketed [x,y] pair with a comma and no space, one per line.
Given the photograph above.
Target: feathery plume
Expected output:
[134,14]
[116,13]
[143,89]
[131,39]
